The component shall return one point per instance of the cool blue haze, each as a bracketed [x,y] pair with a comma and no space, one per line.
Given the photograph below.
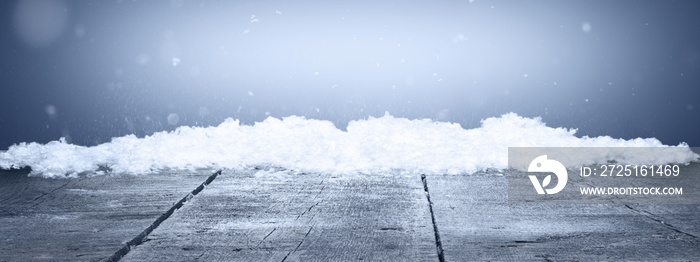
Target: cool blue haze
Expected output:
[92,70]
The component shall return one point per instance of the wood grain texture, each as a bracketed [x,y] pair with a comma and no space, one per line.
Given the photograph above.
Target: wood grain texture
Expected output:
[305,217]
[84,219]
[476,223]
[245,216]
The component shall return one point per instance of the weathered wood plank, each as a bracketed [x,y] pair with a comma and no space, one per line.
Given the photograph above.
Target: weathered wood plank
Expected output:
[307,217]
[476,223]
[83,219]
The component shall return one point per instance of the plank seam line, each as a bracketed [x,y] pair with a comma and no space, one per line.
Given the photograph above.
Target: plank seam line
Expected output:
[438,242]
[660,220]
[296,248]
[137,240]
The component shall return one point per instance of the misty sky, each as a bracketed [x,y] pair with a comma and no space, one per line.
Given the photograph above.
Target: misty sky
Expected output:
[92,70]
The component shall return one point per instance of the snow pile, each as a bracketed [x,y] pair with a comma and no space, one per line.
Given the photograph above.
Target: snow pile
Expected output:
[374,145]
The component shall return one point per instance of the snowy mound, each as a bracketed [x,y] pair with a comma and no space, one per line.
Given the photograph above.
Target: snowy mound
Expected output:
[306,145]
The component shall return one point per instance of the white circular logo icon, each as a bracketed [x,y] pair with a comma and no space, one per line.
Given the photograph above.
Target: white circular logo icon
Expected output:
[542,164]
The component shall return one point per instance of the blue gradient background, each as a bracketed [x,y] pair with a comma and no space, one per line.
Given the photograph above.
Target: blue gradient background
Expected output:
[92,70]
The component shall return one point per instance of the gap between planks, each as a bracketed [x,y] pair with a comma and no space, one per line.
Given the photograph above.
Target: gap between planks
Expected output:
[137,240]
